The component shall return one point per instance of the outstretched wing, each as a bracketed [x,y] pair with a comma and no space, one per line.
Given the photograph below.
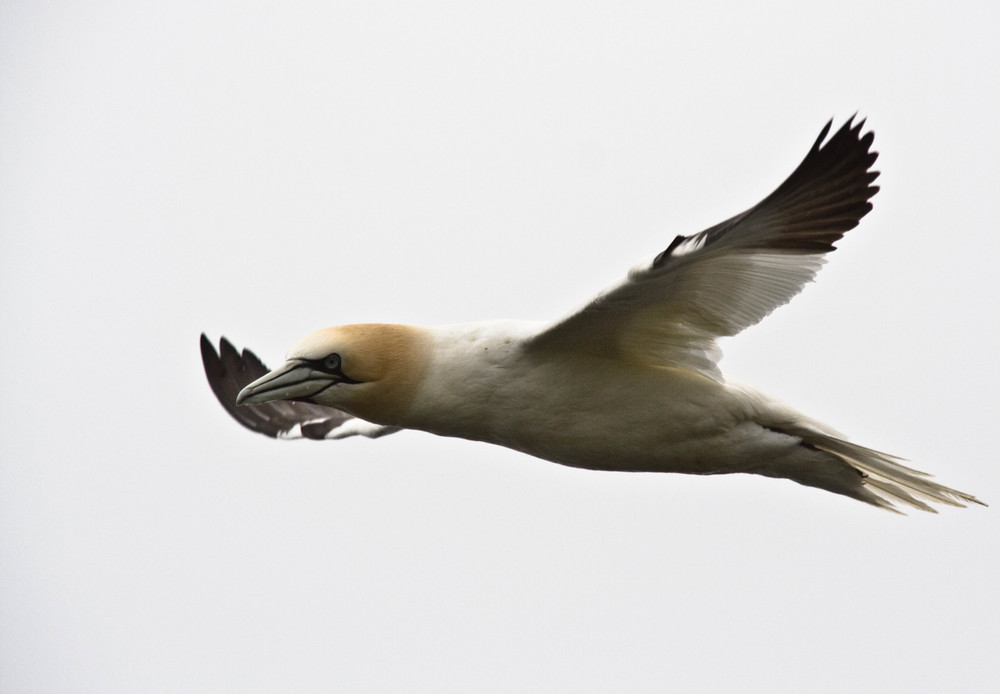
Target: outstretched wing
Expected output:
[671,310]
[229,371]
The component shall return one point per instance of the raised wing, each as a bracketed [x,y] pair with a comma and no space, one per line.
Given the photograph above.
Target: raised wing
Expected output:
[670,310]
[228,371]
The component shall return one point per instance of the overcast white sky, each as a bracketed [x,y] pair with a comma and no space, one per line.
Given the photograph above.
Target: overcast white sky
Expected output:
[261,170]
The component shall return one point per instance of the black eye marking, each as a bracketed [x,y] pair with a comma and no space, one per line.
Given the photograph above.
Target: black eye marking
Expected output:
[333,365]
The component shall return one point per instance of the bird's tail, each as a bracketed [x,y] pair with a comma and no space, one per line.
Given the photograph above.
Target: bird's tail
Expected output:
[885,481]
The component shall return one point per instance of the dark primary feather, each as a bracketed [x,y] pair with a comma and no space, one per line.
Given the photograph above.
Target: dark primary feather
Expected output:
[826,196]
[229,372]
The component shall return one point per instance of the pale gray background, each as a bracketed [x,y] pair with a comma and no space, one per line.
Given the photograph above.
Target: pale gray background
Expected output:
[261,170]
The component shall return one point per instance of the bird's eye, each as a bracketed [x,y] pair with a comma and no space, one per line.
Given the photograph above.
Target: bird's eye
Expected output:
[332,363]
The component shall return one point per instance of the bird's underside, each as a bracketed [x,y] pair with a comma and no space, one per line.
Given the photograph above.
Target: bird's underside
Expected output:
[628,382]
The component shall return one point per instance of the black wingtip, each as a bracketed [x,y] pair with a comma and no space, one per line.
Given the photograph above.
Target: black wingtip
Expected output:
[822,135]
[207,350]
[228,373]
[824,197]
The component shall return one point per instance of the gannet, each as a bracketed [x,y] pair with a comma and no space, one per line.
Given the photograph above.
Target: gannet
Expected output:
[629,382]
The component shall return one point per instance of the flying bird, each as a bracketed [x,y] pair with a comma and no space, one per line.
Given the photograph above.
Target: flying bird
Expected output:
[628,382]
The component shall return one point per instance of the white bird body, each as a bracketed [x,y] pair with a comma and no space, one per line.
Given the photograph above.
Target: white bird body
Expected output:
[629,382]
[484,384]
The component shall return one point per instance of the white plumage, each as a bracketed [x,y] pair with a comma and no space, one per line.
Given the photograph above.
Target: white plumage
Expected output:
[629,382]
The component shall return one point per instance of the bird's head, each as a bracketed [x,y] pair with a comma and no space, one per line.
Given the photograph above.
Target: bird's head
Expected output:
[370,370]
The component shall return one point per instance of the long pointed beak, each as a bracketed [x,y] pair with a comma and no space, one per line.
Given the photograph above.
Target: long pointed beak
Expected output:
[294,380]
